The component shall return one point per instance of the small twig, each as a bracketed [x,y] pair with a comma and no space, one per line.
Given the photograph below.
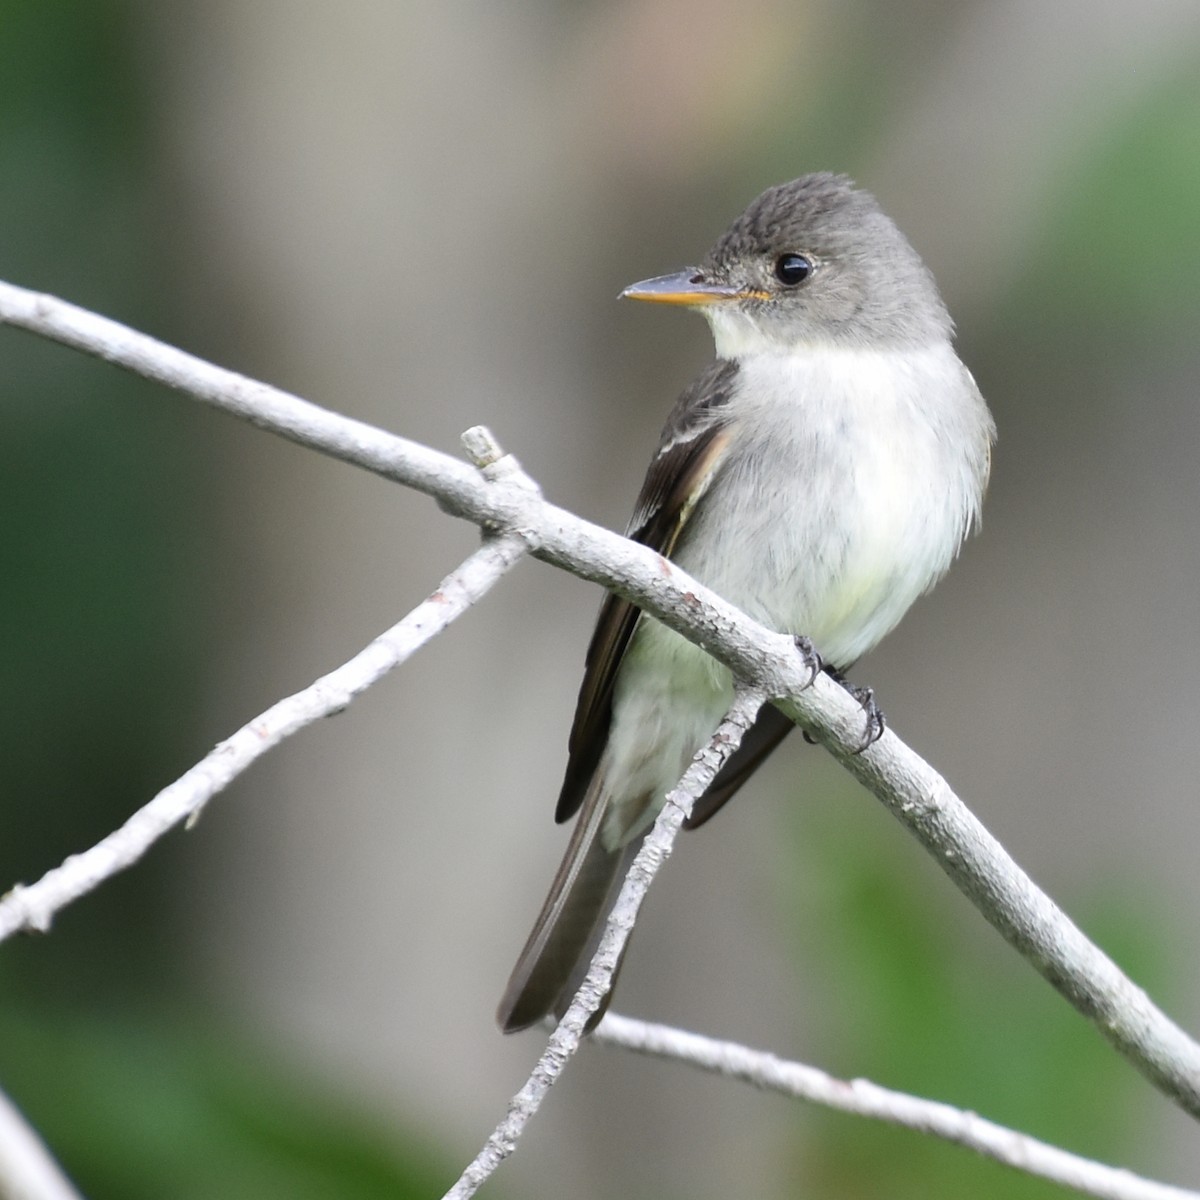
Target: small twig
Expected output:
[865,1099]
[27,1170]
[564,1041]
[33,907]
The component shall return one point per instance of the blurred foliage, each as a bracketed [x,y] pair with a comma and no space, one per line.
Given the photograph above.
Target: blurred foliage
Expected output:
[142,1108]
[1120,239]
[921,996]
[102,485]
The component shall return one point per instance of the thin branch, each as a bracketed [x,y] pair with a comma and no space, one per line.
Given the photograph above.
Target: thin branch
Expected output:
[564,1041]
[33,907]
[27,1170]
[910,788]
[865,1099]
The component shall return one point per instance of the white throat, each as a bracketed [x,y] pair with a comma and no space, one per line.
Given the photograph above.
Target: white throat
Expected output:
[736,336]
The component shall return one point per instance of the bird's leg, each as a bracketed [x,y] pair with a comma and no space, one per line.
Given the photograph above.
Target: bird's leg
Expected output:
[813,661]
[815,664]
[876,723]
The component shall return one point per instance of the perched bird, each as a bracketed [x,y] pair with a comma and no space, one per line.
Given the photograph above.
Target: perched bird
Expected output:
[820,474]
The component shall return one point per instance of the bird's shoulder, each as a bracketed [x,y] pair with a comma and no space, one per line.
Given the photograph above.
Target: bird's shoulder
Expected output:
[692,438]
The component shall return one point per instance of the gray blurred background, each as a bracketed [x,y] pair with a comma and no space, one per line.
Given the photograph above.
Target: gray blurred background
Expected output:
[420,216]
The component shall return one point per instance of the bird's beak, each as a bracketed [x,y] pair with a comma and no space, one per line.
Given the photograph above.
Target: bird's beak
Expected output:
[686,287]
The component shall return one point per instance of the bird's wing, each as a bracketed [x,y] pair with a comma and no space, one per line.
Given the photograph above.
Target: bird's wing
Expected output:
[693,446]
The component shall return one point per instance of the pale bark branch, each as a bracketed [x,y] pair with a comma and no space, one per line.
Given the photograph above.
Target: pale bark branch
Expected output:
[863,1098]
[34,906]
[27,1169]
[565,1039]
[910,788]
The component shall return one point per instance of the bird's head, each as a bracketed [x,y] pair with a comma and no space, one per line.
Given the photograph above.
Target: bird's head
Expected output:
[810,262]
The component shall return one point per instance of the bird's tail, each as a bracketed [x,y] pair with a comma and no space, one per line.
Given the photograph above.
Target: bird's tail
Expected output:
[567,931]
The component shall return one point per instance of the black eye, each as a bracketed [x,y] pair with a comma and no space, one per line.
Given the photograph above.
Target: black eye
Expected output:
[791,269]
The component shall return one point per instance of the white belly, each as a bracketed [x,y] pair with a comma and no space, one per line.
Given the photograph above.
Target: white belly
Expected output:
[853,485]
[852,481]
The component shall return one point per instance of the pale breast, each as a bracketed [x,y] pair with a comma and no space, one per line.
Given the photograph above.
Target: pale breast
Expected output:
[853,479]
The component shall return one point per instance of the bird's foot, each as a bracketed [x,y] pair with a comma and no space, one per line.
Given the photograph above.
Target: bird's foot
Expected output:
[811,656]
[815,664]
[876,722]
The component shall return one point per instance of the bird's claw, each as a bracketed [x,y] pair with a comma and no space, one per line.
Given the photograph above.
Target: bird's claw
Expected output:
[876,722]
[815,664]
[865,696]
[813,661]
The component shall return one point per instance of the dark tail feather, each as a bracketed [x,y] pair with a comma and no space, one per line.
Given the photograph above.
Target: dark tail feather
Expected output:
[568,928]
[625,857]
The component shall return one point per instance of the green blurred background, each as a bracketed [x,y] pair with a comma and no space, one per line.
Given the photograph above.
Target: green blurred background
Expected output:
[420,215]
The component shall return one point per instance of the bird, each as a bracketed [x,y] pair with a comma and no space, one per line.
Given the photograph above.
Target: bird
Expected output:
[821,474]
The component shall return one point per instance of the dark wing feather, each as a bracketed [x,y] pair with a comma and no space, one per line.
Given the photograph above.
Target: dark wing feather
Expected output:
[690,451]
